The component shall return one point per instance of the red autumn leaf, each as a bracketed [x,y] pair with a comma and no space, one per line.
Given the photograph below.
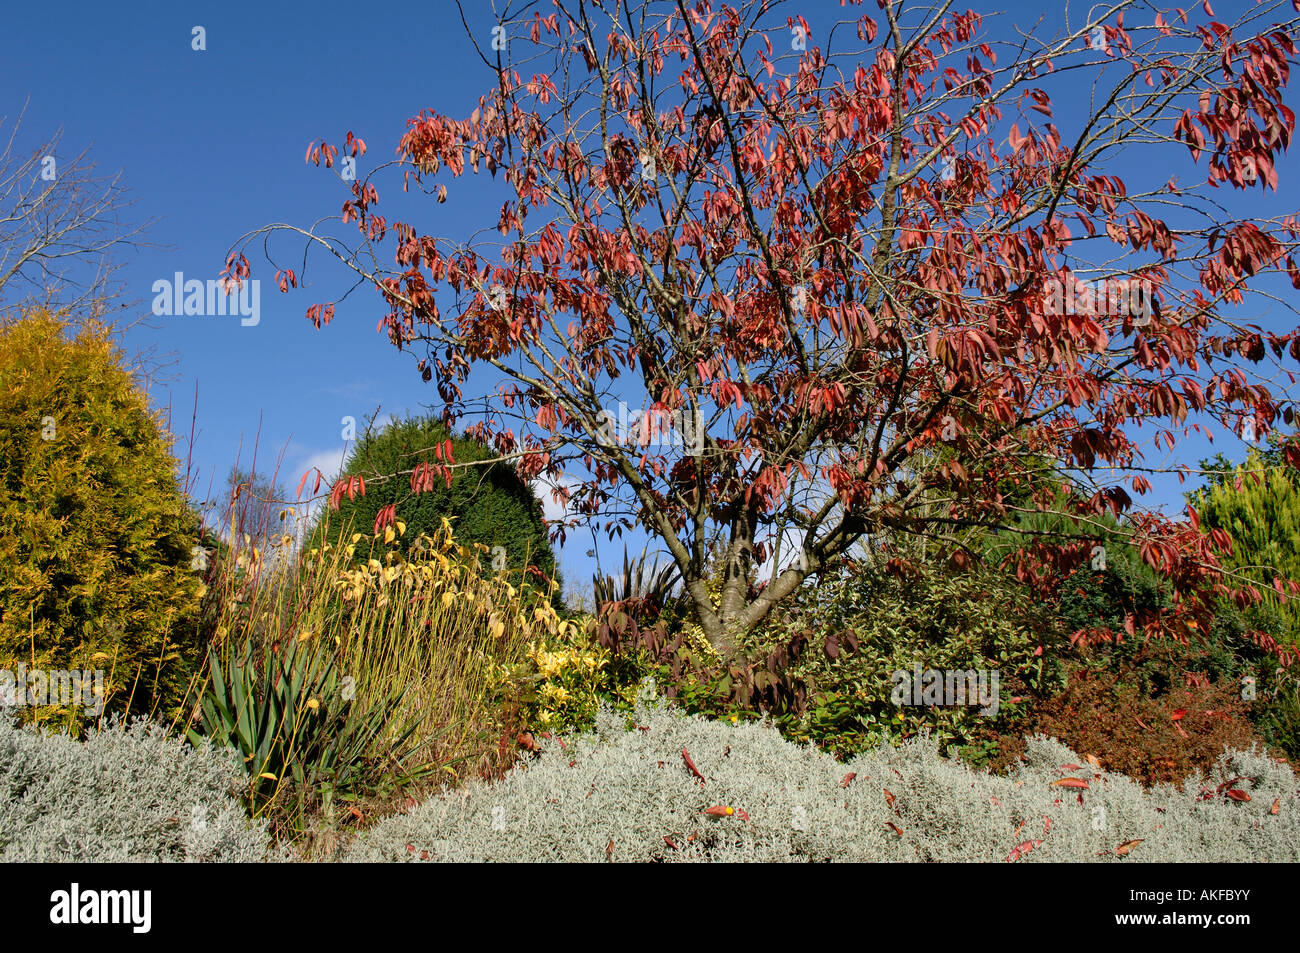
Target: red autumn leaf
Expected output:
[1070,783]
[1277,806]
[1123,849]
[719,810]
[1020,850]
[898,831]
[889,797]
[1237,795]
[691,765]
[848,778]
[1179,714]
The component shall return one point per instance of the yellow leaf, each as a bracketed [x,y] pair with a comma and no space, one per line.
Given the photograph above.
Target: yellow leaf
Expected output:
[401,528]
[268,776]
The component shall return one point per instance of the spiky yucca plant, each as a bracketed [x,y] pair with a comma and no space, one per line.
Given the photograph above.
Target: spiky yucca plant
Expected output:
[639,582]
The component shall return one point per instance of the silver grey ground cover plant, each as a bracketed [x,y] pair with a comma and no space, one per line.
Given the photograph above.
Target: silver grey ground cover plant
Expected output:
[657,785]
[129,792]
[627,792]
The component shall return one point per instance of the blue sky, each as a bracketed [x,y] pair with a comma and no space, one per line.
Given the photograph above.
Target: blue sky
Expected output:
[212,146]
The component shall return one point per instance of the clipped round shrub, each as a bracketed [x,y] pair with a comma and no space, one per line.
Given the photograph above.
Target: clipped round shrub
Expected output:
[129,793]
[627,792]
[96,535]
[490,505]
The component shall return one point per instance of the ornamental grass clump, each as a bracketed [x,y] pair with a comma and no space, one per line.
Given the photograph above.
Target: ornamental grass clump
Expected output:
[359,680]
[656,786]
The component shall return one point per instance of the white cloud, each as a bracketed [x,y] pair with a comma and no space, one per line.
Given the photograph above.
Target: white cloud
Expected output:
[330,462]
[552,509]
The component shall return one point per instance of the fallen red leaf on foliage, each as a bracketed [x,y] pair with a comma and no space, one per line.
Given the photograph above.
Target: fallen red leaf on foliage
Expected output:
[848,778]
[1020,850]
[691,765]
[1070,783]
[1123,849]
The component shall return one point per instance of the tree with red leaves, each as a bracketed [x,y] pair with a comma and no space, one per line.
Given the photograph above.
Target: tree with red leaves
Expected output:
[871,280]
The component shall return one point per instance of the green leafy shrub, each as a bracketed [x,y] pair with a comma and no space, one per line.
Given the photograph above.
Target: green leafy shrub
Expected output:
[562,679]
[127,794]
[907,615]
[96,536]
[825,670]
[626,792]
[488,505]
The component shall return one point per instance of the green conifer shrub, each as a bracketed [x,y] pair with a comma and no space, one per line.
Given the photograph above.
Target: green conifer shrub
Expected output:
[1258,505]
[488,506]
[96,537]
